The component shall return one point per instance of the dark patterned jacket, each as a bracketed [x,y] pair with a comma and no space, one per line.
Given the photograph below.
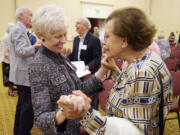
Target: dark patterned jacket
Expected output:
[50,77]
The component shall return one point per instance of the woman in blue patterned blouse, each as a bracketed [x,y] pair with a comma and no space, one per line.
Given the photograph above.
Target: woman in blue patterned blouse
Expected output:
[134,105]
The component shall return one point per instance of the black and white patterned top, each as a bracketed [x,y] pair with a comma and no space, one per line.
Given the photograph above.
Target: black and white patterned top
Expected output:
[50,77]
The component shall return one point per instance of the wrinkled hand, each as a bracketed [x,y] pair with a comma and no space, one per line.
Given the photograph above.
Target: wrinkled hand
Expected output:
[37,45]
[86,68]
[109,63]
[75,106]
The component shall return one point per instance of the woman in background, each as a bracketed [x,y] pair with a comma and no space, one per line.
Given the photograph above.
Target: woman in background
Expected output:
[6,60]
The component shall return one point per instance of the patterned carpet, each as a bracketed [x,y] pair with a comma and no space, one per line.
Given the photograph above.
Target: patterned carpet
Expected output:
[8,107]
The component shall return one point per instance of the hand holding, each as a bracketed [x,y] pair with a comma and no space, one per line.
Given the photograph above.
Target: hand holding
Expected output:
[37,45]
[75,106]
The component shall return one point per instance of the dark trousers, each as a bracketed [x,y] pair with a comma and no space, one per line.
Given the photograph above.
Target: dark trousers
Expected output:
[5,69]
[24,112]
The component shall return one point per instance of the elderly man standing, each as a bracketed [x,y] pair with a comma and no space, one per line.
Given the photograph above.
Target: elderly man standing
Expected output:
[21,54]
[86,46]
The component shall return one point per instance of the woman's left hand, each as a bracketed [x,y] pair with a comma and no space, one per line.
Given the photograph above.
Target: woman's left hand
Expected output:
[109,63]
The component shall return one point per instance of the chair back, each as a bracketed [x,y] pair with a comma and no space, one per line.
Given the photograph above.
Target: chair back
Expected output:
[177,56]
[177,47]
[171,63]
[175,80]
[118,63]
[108,84]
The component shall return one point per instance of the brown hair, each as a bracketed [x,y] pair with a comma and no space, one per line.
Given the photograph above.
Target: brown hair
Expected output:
[132,23]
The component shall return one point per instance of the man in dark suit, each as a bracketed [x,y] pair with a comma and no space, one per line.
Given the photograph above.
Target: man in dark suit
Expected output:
[86,46]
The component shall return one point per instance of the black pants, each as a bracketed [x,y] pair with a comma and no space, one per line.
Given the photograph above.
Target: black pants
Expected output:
[24,112]
[5,69]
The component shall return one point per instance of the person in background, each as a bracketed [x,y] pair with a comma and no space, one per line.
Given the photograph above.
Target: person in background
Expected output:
[86,46]
[178,42]
[142,93]
[172,39]
[164,46]
[21,54]
[154,47]
[5,58]
[95,31]
[51,74]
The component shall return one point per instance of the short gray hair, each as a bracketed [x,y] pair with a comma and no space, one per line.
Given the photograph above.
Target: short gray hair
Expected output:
[9,27]
[86,22]
[161,36]
[49,19]
[21,10]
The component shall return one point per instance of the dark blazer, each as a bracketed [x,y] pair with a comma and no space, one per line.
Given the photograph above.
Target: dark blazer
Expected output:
[92,55]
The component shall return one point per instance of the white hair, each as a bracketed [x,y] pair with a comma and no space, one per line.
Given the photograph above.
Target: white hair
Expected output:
[21,10]
[161,36]
[9,27]
[86,22]
[49,19]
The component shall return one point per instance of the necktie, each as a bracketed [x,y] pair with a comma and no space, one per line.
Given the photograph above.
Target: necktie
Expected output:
[28,33]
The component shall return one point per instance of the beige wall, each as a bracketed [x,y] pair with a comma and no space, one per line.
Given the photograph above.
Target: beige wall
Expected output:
[7,14]
[165,13]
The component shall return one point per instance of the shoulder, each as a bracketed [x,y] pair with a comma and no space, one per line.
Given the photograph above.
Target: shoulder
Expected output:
[16,30]
[40,63]
[148,67]
[89,34]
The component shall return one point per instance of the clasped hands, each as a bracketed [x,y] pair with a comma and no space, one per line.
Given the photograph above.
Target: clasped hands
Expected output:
[74,106]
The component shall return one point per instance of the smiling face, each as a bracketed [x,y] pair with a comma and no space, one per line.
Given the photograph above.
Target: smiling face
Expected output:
[115,45]
[56,41]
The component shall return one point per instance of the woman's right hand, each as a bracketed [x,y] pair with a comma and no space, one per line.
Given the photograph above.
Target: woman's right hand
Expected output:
[75,106]
[109,63]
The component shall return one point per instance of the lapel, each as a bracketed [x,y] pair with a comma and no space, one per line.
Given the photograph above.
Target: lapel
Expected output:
[86,39]
[25,30]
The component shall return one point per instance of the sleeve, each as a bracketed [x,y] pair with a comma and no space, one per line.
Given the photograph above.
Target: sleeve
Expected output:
[44,116]
[97,52]
[5,46]
[21,44]
[91,86]
[96,124]
[115,75]
[70,56]
[140,105]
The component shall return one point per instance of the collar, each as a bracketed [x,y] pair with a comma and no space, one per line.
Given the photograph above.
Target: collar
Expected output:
[83,37]
[49,53]
[58,59]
